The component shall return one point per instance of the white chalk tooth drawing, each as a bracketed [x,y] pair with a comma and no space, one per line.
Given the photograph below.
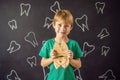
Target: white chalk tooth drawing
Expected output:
[82,22]
[108,75]
[25,9]
[100,7]
[45,72]
[32,61]
[55,7]
[87,49]
[14,46]
[12,24]
[30,37]
[48,22]
[105,50]
[77,74]
[104,33]
[13,75]
[43,42]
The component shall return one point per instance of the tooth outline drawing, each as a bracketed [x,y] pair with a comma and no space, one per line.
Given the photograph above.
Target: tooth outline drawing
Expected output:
[43,42]
[11,72]
[48,25]
[100,9]
[105,77]
[12,26]
[11,49]
[32,63]
[83,25]
[26,12]
[105,52]
[101,35]
[56,3]
[34,43]
[45,73]
[78,77]
[86,53]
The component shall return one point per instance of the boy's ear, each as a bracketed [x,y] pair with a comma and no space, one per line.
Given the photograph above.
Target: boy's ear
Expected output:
[53,25]
[71,27]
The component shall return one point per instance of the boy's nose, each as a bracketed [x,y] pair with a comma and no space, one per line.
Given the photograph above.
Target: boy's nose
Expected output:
[63,28]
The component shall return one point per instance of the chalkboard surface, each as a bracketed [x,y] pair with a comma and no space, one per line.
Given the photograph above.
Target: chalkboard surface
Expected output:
[26,24]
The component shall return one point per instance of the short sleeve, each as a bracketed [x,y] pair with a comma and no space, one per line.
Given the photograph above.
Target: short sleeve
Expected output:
[78,52]
[44,51]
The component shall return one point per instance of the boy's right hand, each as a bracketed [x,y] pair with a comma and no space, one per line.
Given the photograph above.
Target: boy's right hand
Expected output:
[53,54]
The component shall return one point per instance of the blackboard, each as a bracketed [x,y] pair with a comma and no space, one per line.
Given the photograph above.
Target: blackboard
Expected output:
[26,24]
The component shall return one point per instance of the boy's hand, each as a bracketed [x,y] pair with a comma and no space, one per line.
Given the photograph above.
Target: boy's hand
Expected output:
[53,54]
[70,54]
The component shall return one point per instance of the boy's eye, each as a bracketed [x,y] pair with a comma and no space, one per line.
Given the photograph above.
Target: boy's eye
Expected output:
[59,25]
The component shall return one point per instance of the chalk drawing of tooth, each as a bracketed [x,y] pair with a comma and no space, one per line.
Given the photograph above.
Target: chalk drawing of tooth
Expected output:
[105,50]
[43,42]
[77,74]
[82,22]
[32,61]
[13,76]
[12,24]
[55,7]
[30,38]
[48,22]
[87,49]
[108,75]
[25,9]
[100,7]
[45,69]
[14,46]
[104,33]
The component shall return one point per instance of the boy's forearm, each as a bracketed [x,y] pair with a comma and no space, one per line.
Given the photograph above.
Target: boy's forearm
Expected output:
[75,62]
[46,61]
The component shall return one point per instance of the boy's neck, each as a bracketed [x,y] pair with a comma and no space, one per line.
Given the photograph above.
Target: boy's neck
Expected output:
[61,39]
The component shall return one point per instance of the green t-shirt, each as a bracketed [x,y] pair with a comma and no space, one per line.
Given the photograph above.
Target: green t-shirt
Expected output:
[61,73]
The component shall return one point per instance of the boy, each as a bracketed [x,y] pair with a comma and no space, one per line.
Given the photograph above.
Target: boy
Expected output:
[62,24]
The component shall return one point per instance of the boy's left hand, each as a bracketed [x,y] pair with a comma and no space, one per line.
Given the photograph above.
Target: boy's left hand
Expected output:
[69,54]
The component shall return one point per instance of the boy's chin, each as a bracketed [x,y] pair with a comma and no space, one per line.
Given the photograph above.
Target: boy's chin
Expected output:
[62,35]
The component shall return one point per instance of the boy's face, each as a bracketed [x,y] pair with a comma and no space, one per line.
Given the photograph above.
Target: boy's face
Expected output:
[62,29]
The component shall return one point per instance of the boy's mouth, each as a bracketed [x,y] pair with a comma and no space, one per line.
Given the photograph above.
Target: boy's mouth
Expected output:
[62,32]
